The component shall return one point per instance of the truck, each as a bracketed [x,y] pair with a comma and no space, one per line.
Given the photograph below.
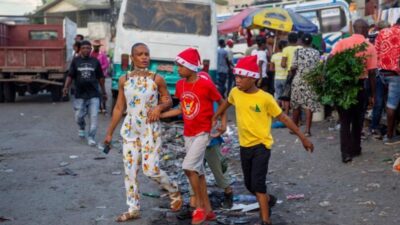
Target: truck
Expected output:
[34,58]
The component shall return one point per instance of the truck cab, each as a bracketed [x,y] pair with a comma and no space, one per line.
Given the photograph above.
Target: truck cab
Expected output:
[34,57]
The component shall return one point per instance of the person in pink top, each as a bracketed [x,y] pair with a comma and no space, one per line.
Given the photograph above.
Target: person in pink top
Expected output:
[103,59]
[101,56]
[352,119]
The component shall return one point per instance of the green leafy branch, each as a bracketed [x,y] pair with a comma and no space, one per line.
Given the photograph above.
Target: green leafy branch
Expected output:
[336,81]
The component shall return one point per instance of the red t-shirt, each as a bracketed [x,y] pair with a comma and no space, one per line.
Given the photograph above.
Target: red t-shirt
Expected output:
[388,47]
[196,101]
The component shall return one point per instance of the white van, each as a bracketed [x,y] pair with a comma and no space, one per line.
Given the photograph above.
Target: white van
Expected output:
[331,16]
[167,27]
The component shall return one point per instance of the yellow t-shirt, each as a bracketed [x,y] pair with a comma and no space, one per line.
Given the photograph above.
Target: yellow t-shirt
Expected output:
[288,52]
[254,113]
[280,72]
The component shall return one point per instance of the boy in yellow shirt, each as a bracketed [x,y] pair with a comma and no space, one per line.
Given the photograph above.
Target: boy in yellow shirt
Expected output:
[280,72]
[254,112]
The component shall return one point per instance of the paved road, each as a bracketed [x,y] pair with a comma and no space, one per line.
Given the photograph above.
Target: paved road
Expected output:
[37,135]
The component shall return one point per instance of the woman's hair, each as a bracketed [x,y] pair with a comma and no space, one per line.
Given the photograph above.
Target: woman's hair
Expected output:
[307,39]
[137,45]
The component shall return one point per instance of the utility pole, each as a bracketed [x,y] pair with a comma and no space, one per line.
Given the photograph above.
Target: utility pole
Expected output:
[113,18]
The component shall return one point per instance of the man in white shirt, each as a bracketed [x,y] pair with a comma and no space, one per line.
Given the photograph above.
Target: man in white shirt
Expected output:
[262,61]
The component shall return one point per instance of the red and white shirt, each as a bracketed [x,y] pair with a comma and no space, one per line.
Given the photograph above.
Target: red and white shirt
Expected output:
[387,45]
[196,101]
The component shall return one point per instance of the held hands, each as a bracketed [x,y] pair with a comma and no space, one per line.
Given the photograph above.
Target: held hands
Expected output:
[104,97]
[219,128]
[153,115]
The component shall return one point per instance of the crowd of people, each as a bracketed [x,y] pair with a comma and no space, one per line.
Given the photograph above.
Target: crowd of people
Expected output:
[263,86]
[292,59]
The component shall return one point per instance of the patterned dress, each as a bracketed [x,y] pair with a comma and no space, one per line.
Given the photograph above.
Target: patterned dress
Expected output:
[142,141]
[305,59]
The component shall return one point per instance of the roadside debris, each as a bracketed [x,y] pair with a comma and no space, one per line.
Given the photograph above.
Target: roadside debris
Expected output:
[396,165]
[4,219]
[151,195]
[67,171]
[62,164]
[325,204]
[295,197]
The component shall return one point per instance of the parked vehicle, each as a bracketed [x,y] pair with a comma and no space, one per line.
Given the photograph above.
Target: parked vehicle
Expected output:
[167,27]
[332,17]
[34,57]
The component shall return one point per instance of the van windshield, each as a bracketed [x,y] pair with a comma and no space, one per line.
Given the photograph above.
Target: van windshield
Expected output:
[163,16]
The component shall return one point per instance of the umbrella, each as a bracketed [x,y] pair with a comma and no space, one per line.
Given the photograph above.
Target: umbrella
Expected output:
[233,23]
[279,19]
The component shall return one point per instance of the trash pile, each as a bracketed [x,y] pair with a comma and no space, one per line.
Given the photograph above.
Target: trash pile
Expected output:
[173,152]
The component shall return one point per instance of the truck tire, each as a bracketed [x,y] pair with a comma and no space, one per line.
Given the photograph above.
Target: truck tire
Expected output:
[9,92]
[56,93]
[1,93]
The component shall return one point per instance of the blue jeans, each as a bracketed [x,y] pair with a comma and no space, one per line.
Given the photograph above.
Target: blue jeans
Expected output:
[279,87]
[83,107]
[393,83]
[379,102]
[221,83]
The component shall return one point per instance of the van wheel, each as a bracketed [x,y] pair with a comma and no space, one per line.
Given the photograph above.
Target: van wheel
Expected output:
[9,92]
[1,93]
[56,93]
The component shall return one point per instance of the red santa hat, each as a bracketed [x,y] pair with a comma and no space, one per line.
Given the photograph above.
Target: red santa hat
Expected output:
[189,58]
[247,66]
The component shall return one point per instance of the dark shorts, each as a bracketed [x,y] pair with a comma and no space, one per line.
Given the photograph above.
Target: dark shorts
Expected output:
[255,161]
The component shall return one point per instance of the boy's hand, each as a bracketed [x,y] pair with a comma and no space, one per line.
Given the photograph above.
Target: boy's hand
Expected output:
[153,115]
[308,145]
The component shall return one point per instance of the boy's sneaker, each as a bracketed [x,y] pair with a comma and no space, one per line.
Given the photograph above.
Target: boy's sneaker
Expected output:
[198,216]
[391,141]
[211,216]
[91,142]
[82,133]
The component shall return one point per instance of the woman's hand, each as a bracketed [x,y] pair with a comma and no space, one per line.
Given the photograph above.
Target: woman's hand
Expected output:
[107,139]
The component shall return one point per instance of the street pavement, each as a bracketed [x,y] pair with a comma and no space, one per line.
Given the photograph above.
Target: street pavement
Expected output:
[48,175]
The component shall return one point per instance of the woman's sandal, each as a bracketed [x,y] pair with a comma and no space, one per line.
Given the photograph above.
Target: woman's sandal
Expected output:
[307,134]
[176,201]
[126,216]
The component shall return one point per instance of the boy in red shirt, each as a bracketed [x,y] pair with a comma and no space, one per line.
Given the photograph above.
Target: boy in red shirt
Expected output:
[196,96]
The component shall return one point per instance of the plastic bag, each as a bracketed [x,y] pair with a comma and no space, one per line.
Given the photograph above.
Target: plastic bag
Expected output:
[396,165]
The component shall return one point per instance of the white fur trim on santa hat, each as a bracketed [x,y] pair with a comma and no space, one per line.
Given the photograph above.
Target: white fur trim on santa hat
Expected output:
[247,73]
[186,64]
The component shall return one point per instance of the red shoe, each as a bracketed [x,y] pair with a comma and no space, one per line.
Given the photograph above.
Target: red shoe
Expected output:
[198,216]
[211,216]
